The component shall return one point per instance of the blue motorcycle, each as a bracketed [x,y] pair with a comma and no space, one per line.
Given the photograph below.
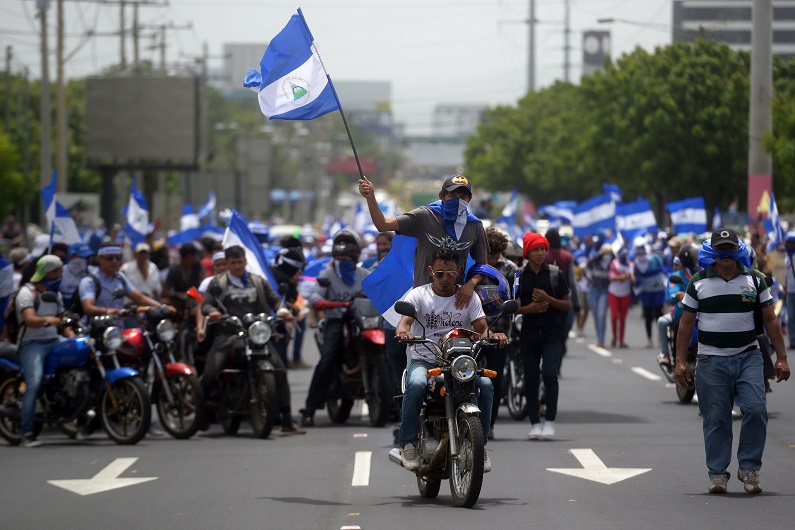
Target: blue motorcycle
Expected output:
[83,382]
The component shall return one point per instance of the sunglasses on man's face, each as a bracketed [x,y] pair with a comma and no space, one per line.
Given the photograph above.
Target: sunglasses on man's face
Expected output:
[112,258]
[440,274]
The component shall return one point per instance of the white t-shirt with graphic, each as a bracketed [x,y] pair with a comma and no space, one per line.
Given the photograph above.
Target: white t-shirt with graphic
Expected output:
[439,315]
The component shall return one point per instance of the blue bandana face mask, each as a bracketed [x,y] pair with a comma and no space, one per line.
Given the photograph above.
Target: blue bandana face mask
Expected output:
[707,255]
[453,208]
[52,284]
[347,271]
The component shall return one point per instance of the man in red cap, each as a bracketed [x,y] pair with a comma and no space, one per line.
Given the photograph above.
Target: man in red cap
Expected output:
[543,302]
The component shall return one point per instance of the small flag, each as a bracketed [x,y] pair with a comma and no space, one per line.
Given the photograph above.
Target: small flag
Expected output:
[137,216]
[775,232]
[237,233]
[689,215]
[63,228]
[594,215]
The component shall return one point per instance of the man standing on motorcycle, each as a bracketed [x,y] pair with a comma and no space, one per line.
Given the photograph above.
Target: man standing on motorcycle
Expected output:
[729,367]
[436,307]
[241,293]
[341,281]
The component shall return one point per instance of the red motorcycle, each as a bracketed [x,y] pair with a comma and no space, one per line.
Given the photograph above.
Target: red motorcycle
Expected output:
[175,388]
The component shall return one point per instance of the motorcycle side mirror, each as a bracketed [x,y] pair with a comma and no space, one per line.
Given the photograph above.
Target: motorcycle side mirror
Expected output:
[118,293]
[323,282]
[49,297]
[406,309]
[509,307]
[676,280]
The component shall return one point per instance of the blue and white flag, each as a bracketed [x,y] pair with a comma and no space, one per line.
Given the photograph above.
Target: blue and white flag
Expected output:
[717,220]
[775,232]
[208,209]
[189,228]
[137,216]
[292,83]
[594,215]
[635,219]
[689,215]
[393,278]
[238,233]
[62,227]
[362,222]
[560,211]
[614,190]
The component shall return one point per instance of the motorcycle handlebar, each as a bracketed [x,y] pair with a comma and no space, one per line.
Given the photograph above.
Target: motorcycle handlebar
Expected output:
[322,305]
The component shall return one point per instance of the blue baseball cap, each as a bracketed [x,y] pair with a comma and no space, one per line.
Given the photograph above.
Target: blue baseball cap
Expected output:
[80,250]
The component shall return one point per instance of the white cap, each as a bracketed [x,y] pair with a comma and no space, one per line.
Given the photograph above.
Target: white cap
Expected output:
[142,247]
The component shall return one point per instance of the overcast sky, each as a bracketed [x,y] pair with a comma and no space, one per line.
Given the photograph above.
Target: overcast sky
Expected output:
[443,51]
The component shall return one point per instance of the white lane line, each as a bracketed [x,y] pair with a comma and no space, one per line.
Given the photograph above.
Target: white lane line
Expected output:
[645,373]
[361,468]
[360,435]
[600,351]
[365,411]
[351,527]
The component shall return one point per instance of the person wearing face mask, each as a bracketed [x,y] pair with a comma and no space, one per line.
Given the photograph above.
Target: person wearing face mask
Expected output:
[445,223]
[599,273]
[75,269]
[619,294]
[340,281]
[40,321]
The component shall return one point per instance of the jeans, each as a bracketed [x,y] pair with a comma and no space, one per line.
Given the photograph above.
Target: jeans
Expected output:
[791,319]
[32,355]
[597,300]
[330,359]
[415,395]
[396,358]
[495,360]
[720,382]
[541,354]
[662,330]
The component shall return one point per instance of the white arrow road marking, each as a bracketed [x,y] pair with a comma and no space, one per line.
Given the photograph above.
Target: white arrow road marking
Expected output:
[600,351]
[361,468]
[594,469]
[645,373]
[105,480]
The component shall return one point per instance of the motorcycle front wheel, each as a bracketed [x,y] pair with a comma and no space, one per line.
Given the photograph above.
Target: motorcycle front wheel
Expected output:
[379,403]
[264,408]
[181,417]
[466,473]
[127,413]
[11,400]
[339,408]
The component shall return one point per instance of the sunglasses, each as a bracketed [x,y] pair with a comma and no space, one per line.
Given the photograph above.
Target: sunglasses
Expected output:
[112,258]
[440,274]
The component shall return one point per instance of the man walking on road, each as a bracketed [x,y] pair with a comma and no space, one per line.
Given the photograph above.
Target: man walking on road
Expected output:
[729,366]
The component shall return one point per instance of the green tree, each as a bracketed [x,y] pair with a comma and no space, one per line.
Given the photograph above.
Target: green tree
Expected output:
[14,186]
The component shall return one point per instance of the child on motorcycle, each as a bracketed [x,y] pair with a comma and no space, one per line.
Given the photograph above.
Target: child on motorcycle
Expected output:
[435,304]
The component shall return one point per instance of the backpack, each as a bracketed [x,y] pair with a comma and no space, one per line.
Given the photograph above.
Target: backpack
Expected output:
[554,272]
[75,305]
[13,325]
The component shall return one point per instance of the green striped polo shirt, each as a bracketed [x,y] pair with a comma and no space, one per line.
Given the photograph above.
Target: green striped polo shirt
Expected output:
[725,310]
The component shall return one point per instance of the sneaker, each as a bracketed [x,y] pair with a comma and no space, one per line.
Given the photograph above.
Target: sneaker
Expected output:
[292,429]
[750,480]
[410,459]
[664,359]
[155,430]
[548,432]
[486,462]
[535,431]
[29,442]
[307,418]
[717,484]
[82,434]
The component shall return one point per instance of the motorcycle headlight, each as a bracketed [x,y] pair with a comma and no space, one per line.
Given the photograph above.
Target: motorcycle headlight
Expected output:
[111,338]
[259,333]
[165,330]
[371,322]
[464,368]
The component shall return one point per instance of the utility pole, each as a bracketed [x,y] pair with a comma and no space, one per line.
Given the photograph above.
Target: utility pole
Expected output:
[46,156]
[136,56]
[60,109]
[7,117]
[566,47]
[531,48]
[122,28]
[760,164]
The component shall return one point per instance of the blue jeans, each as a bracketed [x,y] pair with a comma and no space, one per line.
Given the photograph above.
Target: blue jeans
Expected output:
[32,355]
[597,301]
[720,382]
[791,319]
[415,395]
[662,331]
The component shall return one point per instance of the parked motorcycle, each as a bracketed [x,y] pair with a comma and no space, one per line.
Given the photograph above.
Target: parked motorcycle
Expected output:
[82,381]
[364,372]
[451,444]
[174,388]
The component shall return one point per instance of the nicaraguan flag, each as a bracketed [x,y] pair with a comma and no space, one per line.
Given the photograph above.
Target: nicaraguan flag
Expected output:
[189,228]
[393,278]
[717,220]
[689,215]
[237,233]
[561,211]
[63,228]
[292,83]
[614,190]
[362,222]
[208,209]
[137,216]
[508,216]
[635,219]
[775,232]
[594,215]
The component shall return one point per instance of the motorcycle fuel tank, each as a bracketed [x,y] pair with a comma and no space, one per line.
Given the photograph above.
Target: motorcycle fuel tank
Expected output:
[71,352]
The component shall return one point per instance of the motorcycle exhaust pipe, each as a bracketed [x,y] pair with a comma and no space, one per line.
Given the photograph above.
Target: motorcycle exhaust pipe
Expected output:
[441,449]
[394,456]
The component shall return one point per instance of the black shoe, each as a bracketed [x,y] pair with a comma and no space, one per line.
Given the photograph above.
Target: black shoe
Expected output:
[307,418]
[204,424]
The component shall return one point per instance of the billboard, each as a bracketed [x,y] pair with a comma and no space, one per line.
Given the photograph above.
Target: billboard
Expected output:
[143,121]
[595,49]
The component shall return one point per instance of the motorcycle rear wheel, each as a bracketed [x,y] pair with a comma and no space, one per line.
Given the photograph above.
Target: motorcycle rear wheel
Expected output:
[516,399]
[466,470]
[339,408]
[429,488]
[11,398]
[128,421]
[685,394]
[182,417]
[264,409]
[380,402]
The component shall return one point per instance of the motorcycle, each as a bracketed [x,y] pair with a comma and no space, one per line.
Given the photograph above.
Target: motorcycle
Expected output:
[684,393]
[247,387]
[78,385]
[175,388]
[364,373]
[451,444]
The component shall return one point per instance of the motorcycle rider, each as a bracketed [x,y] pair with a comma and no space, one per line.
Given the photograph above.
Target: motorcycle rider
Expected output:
[242,293]
[287,267]
[344,282]
[685,265]
[435,304]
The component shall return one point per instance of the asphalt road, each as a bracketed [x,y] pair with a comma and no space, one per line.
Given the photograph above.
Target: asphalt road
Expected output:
[610,411]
